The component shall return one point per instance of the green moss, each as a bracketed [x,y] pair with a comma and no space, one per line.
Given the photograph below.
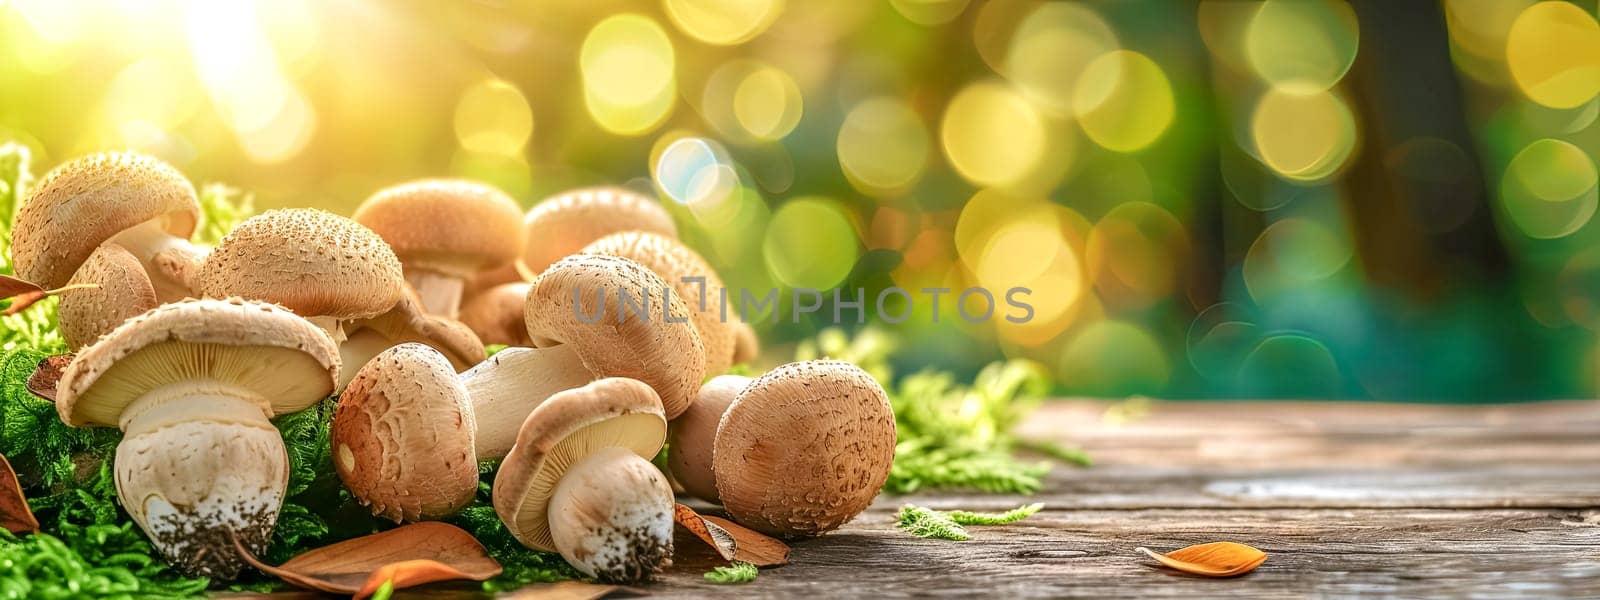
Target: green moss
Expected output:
[737,573]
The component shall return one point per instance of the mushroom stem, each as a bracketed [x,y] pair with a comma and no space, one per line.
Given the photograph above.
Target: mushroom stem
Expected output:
[171,261]
[200,461]
[508,386]
[611,516]
[357,349]
[440,293]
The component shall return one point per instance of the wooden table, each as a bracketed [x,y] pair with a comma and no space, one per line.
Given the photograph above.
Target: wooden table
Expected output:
[1348,499]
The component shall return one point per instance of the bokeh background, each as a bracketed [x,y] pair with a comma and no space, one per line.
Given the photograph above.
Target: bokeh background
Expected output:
[1372,199]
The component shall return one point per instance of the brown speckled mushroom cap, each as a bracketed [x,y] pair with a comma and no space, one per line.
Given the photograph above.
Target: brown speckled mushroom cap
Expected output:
[564,224]
[562,431]
[693,435]
[746,345]
[88,200]
[674,262]
[452,226]
[665,353]
[496,314]
[804,448]
[281,361]
[312,262]
[403,436]
[121,291]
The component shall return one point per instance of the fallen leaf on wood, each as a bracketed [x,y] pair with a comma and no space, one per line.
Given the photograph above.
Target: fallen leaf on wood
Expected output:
[411,555]
[748,545]
[1216,559]
[45,376]
[15,516]
[712,534]
[565,590]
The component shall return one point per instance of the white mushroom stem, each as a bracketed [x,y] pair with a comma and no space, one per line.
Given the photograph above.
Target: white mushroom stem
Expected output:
[508,386]
[171,261]
[611,516]
[358,348]
[199,464]
[440,292]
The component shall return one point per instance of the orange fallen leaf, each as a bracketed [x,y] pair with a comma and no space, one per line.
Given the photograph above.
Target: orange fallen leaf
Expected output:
[1216,559]
[731,540]
[45,376]
[24,294]
[15,516]
[410,555]
[564,590]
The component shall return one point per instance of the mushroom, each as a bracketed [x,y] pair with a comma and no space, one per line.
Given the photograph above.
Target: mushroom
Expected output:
[403,436]
[486,280]
[579,481]
[691,279]
[335,273]
[110,287]
[192,385]
[746,345]
[445,231]
[564,224]
[693,434]
[123,198]
[567,308]
[804,448]
[496,315]
[510,384]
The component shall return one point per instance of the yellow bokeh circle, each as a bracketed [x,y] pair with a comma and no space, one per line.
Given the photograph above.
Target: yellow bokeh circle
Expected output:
[992,135]
[627,65]
[929,12]
[811,243]
[1052,47]
[767,103]
[723,22]
[1304,135]
[1123,101]
[1549,189]
[883,146]
[493,117]
[1553,53]
[1304,45]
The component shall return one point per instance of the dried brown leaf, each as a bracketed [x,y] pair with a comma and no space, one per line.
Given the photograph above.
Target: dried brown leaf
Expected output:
[1216,559]
[712,534]
[45,376]
[410,555]
[731,540]
[565,590]
[15,516]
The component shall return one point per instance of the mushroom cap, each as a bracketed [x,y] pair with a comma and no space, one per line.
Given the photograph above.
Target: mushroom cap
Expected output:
[746,344]
[496,314]
[674,262]
[693,435]
[564,224]
[123,292]
[88,200]
[453,226]
[804,448]
[282,361]
[667,355]
[403,436]
[312,262]
[567,427]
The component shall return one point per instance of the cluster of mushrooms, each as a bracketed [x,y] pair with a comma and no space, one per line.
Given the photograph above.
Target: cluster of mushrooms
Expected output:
[191,350]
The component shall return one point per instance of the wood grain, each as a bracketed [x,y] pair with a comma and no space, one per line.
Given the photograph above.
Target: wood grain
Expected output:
[1348,499]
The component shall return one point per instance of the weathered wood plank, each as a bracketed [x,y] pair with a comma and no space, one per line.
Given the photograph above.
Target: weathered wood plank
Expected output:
[1349,499]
